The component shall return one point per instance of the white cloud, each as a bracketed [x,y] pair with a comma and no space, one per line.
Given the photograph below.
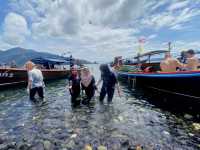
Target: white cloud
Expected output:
[170,19]
[96,29]
[15,29]
[152,36]
[178,5]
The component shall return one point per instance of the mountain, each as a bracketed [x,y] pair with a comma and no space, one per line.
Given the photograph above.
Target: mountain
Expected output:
[21,55]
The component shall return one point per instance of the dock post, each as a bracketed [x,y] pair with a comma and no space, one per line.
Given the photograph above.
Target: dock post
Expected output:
[132,82]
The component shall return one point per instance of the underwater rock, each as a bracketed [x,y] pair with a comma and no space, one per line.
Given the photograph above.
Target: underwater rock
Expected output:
[138,147]
[187,116]
[166,133]
[125,143]
[87,147]
[101,148]
[73,136]
[196,126]
[1,141]
[47,145]
[70,144]
[120,118]
[38,146]
[191,134]
[24,147]
[131,148]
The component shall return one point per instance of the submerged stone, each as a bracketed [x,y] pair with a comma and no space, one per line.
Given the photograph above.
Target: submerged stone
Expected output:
[101,148]
[87,147]
[196,126]
[125,143]
[47,145]
[73,136]
[1,141]
[70,144]
[24,147]
[187,116]
[138,147]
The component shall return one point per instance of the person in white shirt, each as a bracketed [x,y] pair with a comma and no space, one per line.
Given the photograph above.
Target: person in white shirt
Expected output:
[35,81]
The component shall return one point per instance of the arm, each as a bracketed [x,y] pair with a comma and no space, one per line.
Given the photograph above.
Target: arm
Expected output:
[29,82]
[100,80]
[192,63]
[117,84]
[118,89]
[69,84]
[162,66]
[179,64]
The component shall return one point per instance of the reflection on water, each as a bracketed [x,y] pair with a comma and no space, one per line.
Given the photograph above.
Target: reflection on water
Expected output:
[56,125]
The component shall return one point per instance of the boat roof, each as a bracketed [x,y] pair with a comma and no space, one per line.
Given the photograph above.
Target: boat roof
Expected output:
[52,61]
[151,53]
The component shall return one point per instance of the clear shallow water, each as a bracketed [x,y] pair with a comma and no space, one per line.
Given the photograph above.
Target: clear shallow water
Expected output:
[129,121]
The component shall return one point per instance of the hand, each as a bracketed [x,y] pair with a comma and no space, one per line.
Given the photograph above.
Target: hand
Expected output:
[28,90]
[119,93]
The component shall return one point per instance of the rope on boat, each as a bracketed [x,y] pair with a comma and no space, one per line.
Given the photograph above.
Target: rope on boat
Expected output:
[175,93]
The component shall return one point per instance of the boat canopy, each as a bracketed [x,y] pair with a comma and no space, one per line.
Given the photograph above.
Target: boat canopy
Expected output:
[150,53]
[50,61]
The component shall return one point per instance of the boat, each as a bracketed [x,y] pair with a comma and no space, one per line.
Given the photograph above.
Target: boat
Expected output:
[148,75]
[51,68]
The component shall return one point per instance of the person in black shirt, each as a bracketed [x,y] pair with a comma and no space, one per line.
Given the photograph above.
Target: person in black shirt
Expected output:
[109,81]
[74,86]
[87,84]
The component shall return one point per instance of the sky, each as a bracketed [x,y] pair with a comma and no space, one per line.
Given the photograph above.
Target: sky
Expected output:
[98,30]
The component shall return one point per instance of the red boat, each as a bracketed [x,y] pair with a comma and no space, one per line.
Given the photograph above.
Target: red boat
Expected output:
[9,77]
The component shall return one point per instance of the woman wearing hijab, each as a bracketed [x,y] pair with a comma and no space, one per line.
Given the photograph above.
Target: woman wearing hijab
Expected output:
[88,84]
[109,82]
[74,86]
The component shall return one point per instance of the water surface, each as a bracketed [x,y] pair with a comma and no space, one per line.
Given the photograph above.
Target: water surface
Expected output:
[131,120]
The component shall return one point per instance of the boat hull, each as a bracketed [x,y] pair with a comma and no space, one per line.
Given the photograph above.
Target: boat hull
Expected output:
[10,77]
[180,83]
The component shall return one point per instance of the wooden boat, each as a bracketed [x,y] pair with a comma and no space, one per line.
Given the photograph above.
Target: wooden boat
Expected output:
[180,83]
[9,77]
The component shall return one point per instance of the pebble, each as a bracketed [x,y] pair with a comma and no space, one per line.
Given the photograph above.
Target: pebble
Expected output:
[196,126]
[73,136]
[1,141]
[166,133]
[187,116]
[24,147]
[88,147]
[101,148]
[191,134]
[138,148]
[47,145]
[71,144]
[125,143]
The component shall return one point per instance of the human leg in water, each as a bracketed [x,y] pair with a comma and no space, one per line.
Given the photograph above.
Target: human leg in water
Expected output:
[40,92]
[110,92]
[90,94]
[102,94]
[32,94]
[74,98]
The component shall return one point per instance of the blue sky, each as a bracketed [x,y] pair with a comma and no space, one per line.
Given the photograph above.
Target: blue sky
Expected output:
[99,29]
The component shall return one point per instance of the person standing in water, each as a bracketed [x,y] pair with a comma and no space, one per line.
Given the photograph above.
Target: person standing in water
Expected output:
[109,82]
[74,86]
[35,81]
[170,64]
[87,84]
[192,61]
